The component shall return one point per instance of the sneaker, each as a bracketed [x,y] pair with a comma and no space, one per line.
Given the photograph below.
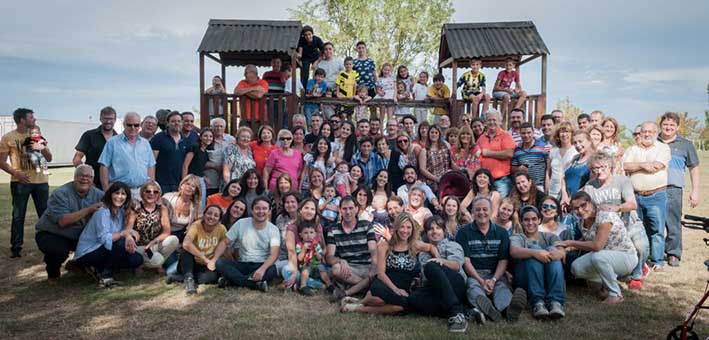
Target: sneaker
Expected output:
[190,287]
[540,311]
[337,295]
[635,284]
[457,324]
[107,282]
[350,307]
[556,310]
[262,286]
[222,282]
[646,270]
[673,261]
[474,314]
[307,291]
[487,308]
[658,268]
[517,305]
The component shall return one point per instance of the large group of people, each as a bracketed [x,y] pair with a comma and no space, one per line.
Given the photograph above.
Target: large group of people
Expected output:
[358,207]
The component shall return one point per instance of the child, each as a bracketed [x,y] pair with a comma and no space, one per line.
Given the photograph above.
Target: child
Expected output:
[386,87]
[317,87]
[309,258]
[402,74]
[346,83]
[503,86]
[287,73]
[438,90]
[472,87]
[329,206]
[341,179]
[419,93]
[35,156]
[362,97]
[402,94]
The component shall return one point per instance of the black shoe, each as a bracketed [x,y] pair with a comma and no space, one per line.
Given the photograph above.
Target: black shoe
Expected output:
[262,286]
[190,286]
[174,278]
[307,291]
[474,314]
[457,324]
[222,282]
[15,254]
[673,261]
[517,305]
[486,306]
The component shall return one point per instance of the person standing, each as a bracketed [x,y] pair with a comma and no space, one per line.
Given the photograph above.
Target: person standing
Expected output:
[684,156]
[496,150]
[365,67]
[169,149]
[25,181]
[189,131]
[91,143]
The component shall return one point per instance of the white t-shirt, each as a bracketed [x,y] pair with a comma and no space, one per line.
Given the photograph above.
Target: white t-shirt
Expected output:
[298,87]
[254,244]
[558,167]
[332,69]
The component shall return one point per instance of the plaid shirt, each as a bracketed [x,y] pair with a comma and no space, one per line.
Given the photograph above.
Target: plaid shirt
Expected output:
[370,167]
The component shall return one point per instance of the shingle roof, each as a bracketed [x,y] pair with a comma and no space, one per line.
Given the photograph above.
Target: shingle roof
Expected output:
[491,39]
[250,39]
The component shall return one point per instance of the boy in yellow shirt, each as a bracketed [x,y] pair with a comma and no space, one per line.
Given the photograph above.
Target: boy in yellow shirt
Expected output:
[438,90]
[346,85]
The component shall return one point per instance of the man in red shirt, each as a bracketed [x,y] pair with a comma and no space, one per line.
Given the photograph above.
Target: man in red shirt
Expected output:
[497,148]
[252,89]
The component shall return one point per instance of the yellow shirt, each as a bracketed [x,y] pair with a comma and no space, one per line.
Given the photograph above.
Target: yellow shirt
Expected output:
[206,242]
[347,83]
[11,144]
[643,181]
[443,93]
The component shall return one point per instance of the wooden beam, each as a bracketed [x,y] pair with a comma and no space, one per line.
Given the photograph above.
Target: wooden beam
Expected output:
[544,75]
[454,94]
[210,56]
[203,110]
[446,62]
[522,62]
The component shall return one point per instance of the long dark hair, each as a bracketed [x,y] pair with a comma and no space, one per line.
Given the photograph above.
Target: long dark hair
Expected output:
[315,151]
[486,172]
[517,196]
[350,143]
[244,188]
[282,208]
[227,219]
[375,186]
[107,200]
[299,219]
[369,196]
[225,191]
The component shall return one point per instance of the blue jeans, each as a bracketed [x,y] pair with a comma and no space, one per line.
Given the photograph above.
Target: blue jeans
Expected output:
[652,211]
[673,244]
[20,196]
[106,261]
[503,185]
[544,282]
[637,234]
[313,282]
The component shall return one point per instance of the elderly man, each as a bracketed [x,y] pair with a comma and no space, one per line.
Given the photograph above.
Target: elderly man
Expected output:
[558,116]
[646,163]
[91,143]
[516,121]
[68,210]
[596,117]
[497,148]
[213,168]
[25,180]
[351,251]
[148,127]
[127,157]
[252,89]
[169,149]
[684,156]
[486,247]
[189,131]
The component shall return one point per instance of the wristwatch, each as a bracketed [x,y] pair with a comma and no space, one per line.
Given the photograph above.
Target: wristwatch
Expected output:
[494,279]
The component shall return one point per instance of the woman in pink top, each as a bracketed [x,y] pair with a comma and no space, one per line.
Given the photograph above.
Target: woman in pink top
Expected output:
[282,160]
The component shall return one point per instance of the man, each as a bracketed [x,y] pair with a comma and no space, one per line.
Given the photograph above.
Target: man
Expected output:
[583,121]
[375,126]
[169,149]
[684,156]
[91,143]
[161,118]
[213,168]
[259,243]
[647,165]
[444,123]
[531,157]
[370,161]
[547,130]
[68,211]
[472,86]
[316,121]
[636,134]
[596,117]
[411,180]
[252,89]
[274,77]
[25,180]
[332,68]
[351,251]
[516,120]
[127,158]
[189,131]
[366,68]
[486,247]
[410,122]
[392,133]
[497,148]
[148,127]
[362,128]
[558,116]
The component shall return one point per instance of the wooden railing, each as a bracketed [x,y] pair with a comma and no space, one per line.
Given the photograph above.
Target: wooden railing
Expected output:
[534,108]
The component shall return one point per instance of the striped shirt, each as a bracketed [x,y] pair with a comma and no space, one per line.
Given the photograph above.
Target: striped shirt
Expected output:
[352,247]
[535,159]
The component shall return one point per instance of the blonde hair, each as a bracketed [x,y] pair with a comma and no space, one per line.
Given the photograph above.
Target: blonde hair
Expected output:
[563,127]
[197,197]
[415,233]
[516,226]
[243,129]
[614,138]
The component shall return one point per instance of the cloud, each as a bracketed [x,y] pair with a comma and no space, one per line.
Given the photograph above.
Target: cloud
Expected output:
[684,74]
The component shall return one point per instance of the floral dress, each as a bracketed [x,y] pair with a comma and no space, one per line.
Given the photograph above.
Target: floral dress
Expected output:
[240,163]
[438,163]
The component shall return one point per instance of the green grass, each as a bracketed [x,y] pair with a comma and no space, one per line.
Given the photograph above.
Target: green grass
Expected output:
[145,308]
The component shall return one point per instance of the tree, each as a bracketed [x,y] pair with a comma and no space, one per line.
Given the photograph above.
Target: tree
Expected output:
[689,127]
[570,111]
[398,32]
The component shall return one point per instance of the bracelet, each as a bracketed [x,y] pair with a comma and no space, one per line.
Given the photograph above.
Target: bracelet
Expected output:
[494,279]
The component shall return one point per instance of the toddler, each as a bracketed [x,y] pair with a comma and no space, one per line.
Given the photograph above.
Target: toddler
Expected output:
[362,97]
[36,157]
[310,256]
[329,206]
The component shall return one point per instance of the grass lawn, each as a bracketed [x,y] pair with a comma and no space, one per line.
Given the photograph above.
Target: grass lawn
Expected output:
[144,307]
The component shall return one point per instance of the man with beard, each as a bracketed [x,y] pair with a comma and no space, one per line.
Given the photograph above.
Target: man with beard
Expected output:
[169,149]
[411,180]
[91,143]
[516,120]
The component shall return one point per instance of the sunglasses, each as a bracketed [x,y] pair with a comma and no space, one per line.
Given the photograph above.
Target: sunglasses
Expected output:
[152,192]
[635,134]
[402,141]
[549,206]
[133,125]
[285,138]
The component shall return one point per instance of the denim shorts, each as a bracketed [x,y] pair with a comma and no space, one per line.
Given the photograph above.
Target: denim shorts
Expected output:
[501,94]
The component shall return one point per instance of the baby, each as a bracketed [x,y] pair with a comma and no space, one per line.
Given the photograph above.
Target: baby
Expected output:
[35,156]
[341,179]
[329,206]
[310,256]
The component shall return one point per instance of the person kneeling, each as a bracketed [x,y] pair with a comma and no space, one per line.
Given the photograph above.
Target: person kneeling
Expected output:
[539,269]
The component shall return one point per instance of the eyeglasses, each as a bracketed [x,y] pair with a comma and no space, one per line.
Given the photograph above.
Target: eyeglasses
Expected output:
[549,206]
[285,138]
[133,125]
[402,141]
[635,134]
[152,192]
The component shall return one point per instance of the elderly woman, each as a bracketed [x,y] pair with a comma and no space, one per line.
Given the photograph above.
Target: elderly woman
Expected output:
[283,160]
[611,253]
[262,146]
[415,207]
[183,206]
[150,222]
[538,268]
[238,158]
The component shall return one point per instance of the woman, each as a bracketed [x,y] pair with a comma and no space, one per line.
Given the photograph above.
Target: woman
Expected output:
[288,212]
[435,160]
[454,217]
[381,191]
[151,222]
[284,184]
[285,159]
[612,146]
[611,253]
[183,205]
[229,193]
[319,158]
[506,217]
[262,146]
[596,133]
[307,215]
[415,207]
[525,192]
[299,140]
[363,201]
[422,134]
[408,149]
[104,243]
[465,152]
[251,187]
[578,172]
[397,266]
[478,127]
[199,246]
[326,131]
[346,143]
[356,176]
[482,186]
[238,158]
[317,185]
[553,220]
[235,211]
[394,162]
[197,157]
[539,269]
[560,158]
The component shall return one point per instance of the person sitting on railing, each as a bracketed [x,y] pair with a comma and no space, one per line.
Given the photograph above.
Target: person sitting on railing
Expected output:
[316,88]
[419,91]
[503,86]
[438,90]
[362,97]
[386,87]
[402,94]
[216,89]
[253,88]
[346,83]
[472,84]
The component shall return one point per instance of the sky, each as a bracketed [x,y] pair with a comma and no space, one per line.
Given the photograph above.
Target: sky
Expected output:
[632,59]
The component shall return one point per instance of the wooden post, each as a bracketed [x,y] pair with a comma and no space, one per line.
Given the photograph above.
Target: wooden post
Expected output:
[543,99]
[453,112]
[203,110]
[293,104]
